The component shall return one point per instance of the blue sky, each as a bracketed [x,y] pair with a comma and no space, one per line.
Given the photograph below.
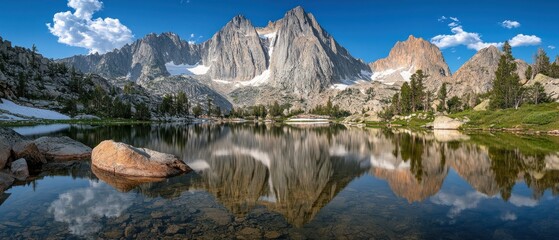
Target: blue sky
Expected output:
[368,29]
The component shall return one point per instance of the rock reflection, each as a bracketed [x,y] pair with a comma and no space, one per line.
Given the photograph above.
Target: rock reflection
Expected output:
[85,209]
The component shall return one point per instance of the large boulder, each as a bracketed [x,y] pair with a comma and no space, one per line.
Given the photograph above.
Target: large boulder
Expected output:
[19,169]
[446,123]
[62,148]
[5,152]
[123,159]
[29,151]
[6,180]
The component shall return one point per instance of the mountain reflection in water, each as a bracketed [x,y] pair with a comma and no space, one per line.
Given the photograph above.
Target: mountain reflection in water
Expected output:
[296,171]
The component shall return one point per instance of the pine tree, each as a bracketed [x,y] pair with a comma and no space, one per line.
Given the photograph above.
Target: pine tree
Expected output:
[181,104]
[507,91]
[417,90]
[395,105]
[406,101]
[33,57]
[209,102]
[541,63]
[21,85]
[528,73]
[197,110]
[538,94]
[442,94]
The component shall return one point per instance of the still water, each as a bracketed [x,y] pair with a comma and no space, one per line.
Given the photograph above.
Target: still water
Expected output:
[287,182]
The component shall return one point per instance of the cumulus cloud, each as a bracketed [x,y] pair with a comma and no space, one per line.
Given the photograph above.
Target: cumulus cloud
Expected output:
[510,24]
[79,29]
[525,40]
[551,47]
[472,40]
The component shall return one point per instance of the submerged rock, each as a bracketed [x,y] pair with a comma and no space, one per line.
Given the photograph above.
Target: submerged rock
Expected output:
[121,158]
[444,122]
[62,148]
[19,169]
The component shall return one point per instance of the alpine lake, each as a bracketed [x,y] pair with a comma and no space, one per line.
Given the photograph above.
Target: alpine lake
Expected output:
[275,181]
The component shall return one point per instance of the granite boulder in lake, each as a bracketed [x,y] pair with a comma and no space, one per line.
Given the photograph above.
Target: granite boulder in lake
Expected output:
[123,159]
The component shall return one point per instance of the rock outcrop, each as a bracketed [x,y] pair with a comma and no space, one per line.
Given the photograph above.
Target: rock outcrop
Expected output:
[446,123]
[62,149]
[123,159]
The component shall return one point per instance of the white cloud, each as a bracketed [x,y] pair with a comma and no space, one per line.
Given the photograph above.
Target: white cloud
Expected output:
[551,47]
[460,37]
[441,19]
[525,40]
[79,29]
[453,24]
[473,40]
[510,24]
[454,19]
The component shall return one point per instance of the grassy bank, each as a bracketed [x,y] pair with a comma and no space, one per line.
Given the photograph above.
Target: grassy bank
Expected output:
[542,117]
[71,121]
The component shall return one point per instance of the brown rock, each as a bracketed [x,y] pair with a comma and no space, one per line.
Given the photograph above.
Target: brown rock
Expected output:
[19,169]
[127,160]
[5,181]
[5,152]
[29,151]
[62,148]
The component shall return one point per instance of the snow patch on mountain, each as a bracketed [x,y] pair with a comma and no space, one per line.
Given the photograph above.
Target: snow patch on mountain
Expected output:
[22,111]
[185,69]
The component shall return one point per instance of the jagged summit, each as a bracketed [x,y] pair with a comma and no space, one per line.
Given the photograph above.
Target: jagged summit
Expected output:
[408,56]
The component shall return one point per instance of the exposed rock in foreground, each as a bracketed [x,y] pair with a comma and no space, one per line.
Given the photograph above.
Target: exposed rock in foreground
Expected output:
[444,122]
[62,149]
[6,181]
[123,159]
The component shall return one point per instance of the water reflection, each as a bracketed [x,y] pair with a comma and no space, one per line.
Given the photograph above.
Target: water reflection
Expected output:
[296,172]
[83,209]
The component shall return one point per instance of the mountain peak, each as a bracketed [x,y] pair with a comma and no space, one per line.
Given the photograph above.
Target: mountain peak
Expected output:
[408,56]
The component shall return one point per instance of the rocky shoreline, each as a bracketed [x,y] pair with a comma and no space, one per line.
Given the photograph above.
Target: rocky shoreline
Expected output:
[22,158]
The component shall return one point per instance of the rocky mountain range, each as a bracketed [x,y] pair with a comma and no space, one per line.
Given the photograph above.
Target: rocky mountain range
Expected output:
[292,60]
